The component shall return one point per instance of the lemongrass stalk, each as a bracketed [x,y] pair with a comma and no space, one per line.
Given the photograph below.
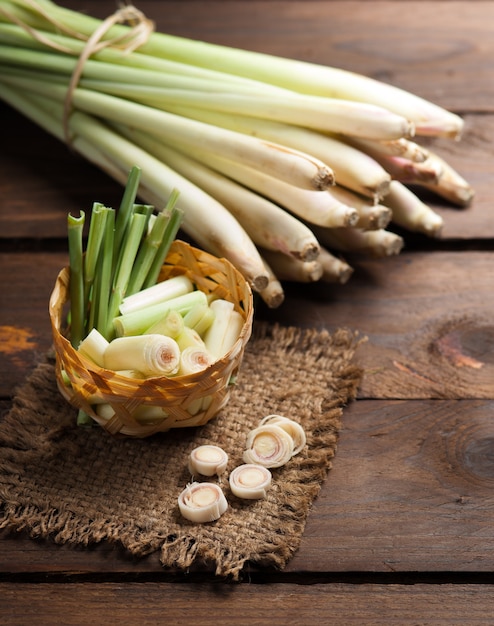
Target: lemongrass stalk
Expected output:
[110,77]
[324,114]
[411,213]
[205,220]
[96,236]
[148,69]
[273,295]
[352,168]
[157,293]
[318,207]
[334,270]
[406,171]
[199,318]
[153,355]
[375,243]
[128,252]
[286,268]
[175,217]
[172,325]
[300,76]
[93,346]
[451,185]
[194,359]
[404,148]
[225,329]
[371,216]
[297,167]
[139,321]
[267,224]
[75,227]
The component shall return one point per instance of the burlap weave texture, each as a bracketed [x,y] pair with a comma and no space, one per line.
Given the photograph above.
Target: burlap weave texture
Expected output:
[81,486]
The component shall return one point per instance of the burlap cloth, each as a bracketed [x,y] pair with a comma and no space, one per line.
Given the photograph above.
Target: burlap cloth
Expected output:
[81,485]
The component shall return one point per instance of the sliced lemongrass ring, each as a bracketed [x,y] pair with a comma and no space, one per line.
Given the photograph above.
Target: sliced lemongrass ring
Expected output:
[202,502]
[293,428]
[208,460]
[250,481]
[268,445]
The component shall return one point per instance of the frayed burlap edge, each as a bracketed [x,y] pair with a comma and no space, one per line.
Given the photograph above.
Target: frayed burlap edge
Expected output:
[283,514]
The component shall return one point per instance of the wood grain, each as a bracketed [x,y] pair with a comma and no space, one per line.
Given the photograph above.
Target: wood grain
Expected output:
[243,605]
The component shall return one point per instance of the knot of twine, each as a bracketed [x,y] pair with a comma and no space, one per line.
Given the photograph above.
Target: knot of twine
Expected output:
[139,32]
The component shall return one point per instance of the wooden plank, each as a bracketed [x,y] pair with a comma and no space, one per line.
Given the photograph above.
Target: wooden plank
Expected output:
[410,490]
[243,605]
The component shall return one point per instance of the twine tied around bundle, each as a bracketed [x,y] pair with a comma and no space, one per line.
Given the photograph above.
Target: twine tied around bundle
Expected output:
[140,29]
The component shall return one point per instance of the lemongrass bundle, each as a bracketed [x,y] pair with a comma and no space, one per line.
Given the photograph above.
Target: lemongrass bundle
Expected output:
[276,161]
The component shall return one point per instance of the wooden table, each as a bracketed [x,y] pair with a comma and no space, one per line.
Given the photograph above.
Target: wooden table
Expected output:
[403,530]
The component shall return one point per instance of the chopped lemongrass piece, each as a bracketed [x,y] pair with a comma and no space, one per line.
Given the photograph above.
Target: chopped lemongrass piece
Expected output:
[202,502]
[130,374]
[194,359]
[224,330]
[199,318]
[411,213]
[269,446]
[207,460]
[160,292]
[250,481]
[190,338]
[153,355]
[139,321]
[293,428]
[94,346]
[171,324]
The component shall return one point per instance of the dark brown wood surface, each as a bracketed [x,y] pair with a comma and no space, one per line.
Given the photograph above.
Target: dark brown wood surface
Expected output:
[402,531]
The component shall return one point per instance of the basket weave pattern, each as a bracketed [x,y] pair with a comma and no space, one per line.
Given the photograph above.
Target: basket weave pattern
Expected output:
[82,382]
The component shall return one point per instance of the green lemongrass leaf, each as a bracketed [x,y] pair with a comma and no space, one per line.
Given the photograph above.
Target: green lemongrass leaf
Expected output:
[75,227]
[171,230]
[128,252]
[125,210]
[102,291]
[95,239]
[147,253]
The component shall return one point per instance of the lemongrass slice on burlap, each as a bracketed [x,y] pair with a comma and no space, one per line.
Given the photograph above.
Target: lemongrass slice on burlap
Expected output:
[207,460]
[269,446]
[250,481]
[202,502]
[293,428]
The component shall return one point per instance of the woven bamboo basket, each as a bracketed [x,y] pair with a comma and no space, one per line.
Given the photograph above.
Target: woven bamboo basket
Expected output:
[186,401]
